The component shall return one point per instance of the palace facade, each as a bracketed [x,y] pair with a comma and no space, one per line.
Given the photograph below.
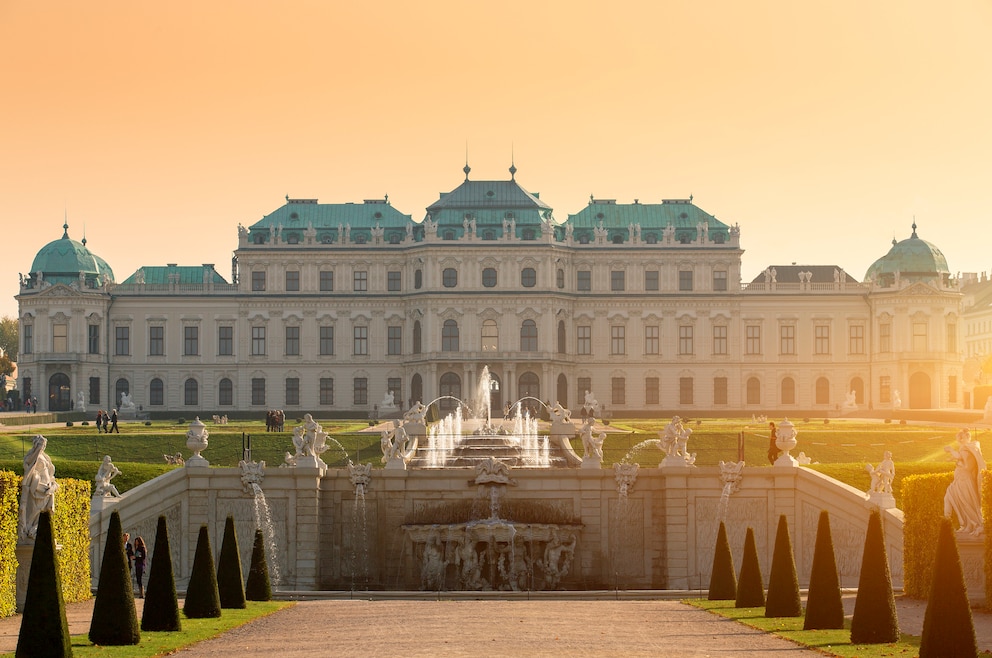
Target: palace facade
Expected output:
[332,308]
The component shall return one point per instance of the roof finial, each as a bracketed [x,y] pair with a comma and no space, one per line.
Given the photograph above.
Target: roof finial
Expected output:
[513,164]
[84,234]
[914,227]
[65,225]
[466,168]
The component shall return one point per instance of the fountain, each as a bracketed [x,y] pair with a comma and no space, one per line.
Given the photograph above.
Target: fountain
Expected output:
[252,474]
[360,476]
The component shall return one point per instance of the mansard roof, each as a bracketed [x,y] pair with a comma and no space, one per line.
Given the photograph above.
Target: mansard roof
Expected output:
[653,218]
[165,274]
[819,274]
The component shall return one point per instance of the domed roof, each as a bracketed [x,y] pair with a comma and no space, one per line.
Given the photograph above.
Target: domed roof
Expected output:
[63,260]
[913,259]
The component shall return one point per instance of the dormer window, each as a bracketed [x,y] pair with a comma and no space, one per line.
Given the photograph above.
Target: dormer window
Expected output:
[293,238]
[651,238]
[259,238]
[394,238]
[359,238]
[527,234]
[617,238]
[449,235]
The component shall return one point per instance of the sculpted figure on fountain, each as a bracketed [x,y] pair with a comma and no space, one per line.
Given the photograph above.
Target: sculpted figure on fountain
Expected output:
[397,448]
[592,447]
[557,559]
[674,439]
[880,491]
[310,442]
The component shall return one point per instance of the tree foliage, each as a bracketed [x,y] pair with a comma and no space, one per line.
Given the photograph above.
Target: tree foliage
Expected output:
[948,629]
[874,620]
[9,335]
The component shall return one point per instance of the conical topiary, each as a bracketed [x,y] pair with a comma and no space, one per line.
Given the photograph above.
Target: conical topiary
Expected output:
[44,628]
[723,579]
[750,590]
[202,597]
[161,609]
[230,581]
[874,620]
[824,606]
[258,587]
[948,629]
[783,584]
[115,621]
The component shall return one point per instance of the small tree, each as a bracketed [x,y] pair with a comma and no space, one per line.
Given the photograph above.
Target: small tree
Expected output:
[874,620]
[202,597]
[783,583]
[750,590]
[258,587]
[948,629]
[44,628]
[229,577]
[824,605]
[115,621]
[723,579]
[161,610]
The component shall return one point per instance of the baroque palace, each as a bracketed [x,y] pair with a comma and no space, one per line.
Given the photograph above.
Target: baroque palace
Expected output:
[335,308]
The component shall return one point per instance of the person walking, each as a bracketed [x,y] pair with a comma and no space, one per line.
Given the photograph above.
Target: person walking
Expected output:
[99,420]
[140,553]
[129,550]
[113,423]
[773,451]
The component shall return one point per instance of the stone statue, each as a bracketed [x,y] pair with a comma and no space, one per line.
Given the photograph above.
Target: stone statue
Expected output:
[592,447]
[417,413]
[851,402]
[896,400]
[590,403]
[963,498]
[102,484]
[394,443]
[674,439]
[80,402]
[882,475]
[388,402]
[310,442]
[557,559]
[126,402]
[37,488]
[175,460]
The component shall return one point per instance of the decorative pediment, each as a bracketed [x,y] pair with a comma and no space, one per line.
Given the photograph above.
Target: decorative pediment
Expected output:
[919,288]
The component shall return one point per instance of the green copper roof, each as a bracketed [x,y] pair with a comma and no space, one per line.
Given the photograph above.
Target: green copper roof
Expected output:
[491,206]
[301,215]
[158,274]
[913,258]
[653,218]
[63,260]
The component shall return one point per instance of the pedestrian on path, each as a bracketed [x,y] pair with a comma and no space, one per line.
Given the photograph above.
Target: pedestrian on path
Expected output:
[113,423]
[140,552]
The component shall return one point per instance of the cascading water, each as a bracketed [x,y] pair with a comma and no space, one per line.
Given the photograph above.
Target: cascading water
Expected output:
[263,521]
[442,438]
[360,476]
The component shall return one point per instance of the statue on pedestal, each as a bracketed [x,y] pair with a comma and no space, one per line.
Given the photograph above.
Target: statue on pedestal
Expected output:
[963,498]
[37,488]
[102,484]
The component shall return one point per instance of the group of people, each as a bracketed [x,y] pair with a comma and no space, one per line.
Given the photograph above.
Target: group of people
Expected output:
[107,423]
[136,556]
[275,420]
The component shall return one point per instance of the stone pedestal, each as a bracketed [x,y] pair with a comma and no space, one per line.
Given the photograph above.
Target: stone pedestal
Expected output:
[592,461]
[100,503]
[881,500]
[25,553]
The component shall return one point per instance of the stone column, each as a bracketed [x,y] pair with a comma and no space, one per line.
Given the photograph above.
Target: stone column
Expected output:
[307,539]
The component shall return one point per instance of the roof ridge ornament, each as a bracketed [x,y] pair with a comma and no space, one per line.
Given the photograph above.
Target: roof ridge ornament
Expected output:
[513,165]
[914,227]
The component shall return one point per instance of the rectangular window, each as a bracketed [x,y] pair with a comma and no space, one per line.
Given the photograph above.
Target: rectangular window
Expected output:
[821,339]
[618,388]
[952,337]
[395,386]
[857,339]
[787,339]
[93,338]
[651,280]
[292,391]
[361,341]
[652,339]
[326,390]
[122,341]
[752,342]
[60,337]
[685,280]
[394,281]
[258,280]
[618,280]
[719,390]
[292,341]
[583,335]
[584,282]
[652,386]
[685,390]
[292,280]
[885,389]
[225,341]
[361,390]
[94,390]
[361,279]
[885,338]
[920,337]
[28,339]
[258,341]
[685,340]
[258,391]
[618,340]
[327,341]
[952,389]
[394,340]
[326,280]
[585,384]
[156,341]
[720,339]
[719,280]
[191,341]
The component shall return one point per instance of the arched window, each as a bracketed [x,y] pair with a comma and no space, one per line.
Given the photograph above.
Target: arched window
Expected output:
[528,277]
[417,337]
[449,336]
[490,336]
[788,391]
[191,393]
[561,343]
[753,391]
[451,387]
[560,279]
[225,393]
[417,388]
[528,336]
[822,391]
[489,277]
[448,235]
[156,392]
[562,389]
[529,385]
[858,386]
[121,387]
[449,277]
[59,393]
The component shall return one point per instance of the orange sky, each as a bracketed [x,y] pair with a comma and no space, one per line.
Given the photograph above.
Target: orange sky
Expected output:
[821,128]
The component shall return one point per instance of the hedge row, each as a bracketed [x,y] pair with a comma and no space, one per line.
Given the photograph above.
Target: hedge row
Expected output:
[923,505]
[987,518]
[10,487]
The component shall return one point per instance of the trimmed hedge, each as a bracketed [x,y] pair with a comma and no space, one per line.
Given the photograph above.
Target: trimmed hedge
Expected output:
[10,485]
[161,609]
[115,620]
[750,589]
[44,628]
[948,628]
[783,598]
[923,507]
[723,580]
[202,596]
[824,604]
[229,577]
[874,620]
[258,587]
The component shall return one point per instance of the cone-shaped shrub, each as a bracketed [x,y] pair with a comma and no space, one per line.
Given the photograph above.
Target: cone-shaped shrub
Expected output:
[115,621]
[874,620]
[230,580]
[161,610]
[948,629]
[258,587]
[824,606]
[723,580]
[44,629]
[783,583]
[750,590]
[202,597]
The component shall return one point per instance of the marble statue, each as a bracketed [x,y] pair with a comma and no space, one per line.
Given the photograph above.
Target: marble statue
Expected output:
[388,402]
[851,401]
[803,459]
[963,498]
[175,460]
[106,472]
[310,442]
[882,475]
[674,439]
[80,402]
[590,403]
[394,443]
[592,447]
[127,402]
[896,400]
[37,488]
[557,559]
